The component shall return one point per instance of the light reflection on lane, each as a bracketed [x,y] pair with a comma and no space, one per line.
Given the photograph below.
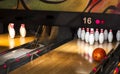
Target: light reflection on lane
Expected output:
[86,50]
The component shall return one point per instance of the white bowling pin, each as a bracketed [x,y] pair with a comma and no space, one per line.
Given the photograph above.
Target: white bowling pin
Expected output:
[83,34]
[91,37]
[101,36]
[92,29]
[79,33]
[11,30]
[110,36]
[118,35]
[105,34]
[22,30]
[96,35]
[87,36]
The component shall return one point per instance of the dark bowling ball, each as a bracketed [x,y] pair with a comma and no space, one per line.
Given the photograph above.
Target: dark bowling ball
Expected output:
[98,54]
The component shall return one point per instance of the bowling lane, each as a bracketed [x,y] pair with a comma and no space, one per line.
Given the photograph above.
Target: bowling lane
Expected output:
[74,57]
[7,43]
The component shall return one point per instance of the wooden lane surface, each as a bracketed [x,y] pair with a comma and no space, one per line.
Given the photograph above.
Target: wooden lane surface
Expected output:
[7,43]
[69,58]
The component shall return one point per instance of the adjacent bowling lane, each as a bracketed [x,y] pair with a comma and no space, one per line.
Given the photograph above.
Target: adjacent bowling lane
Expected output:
[7,43]
[74,57]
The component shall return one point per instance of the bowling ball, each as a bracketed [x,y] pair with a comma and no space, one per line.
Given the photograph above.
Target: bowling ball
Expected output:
[98,54]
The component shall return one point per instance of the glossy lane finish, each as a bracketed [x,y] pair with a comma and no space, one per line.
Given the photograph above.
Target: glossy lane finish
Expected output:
[74,57]
[7,43]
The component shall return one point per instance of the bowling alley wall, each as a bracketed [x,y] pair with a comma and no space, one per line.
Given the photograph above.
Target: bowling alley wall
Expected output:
[92,6]
[88,6]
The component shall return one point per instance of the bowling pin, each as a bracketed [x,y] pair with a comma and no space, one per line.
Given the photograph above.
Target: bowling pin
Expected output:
[11,30]
[87,35]
[79,33]
[92,29]
[83,34]
[118,35]
[96,35]
[110,36]
[91,37]
[105,34]
[101,36]
[22,30]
